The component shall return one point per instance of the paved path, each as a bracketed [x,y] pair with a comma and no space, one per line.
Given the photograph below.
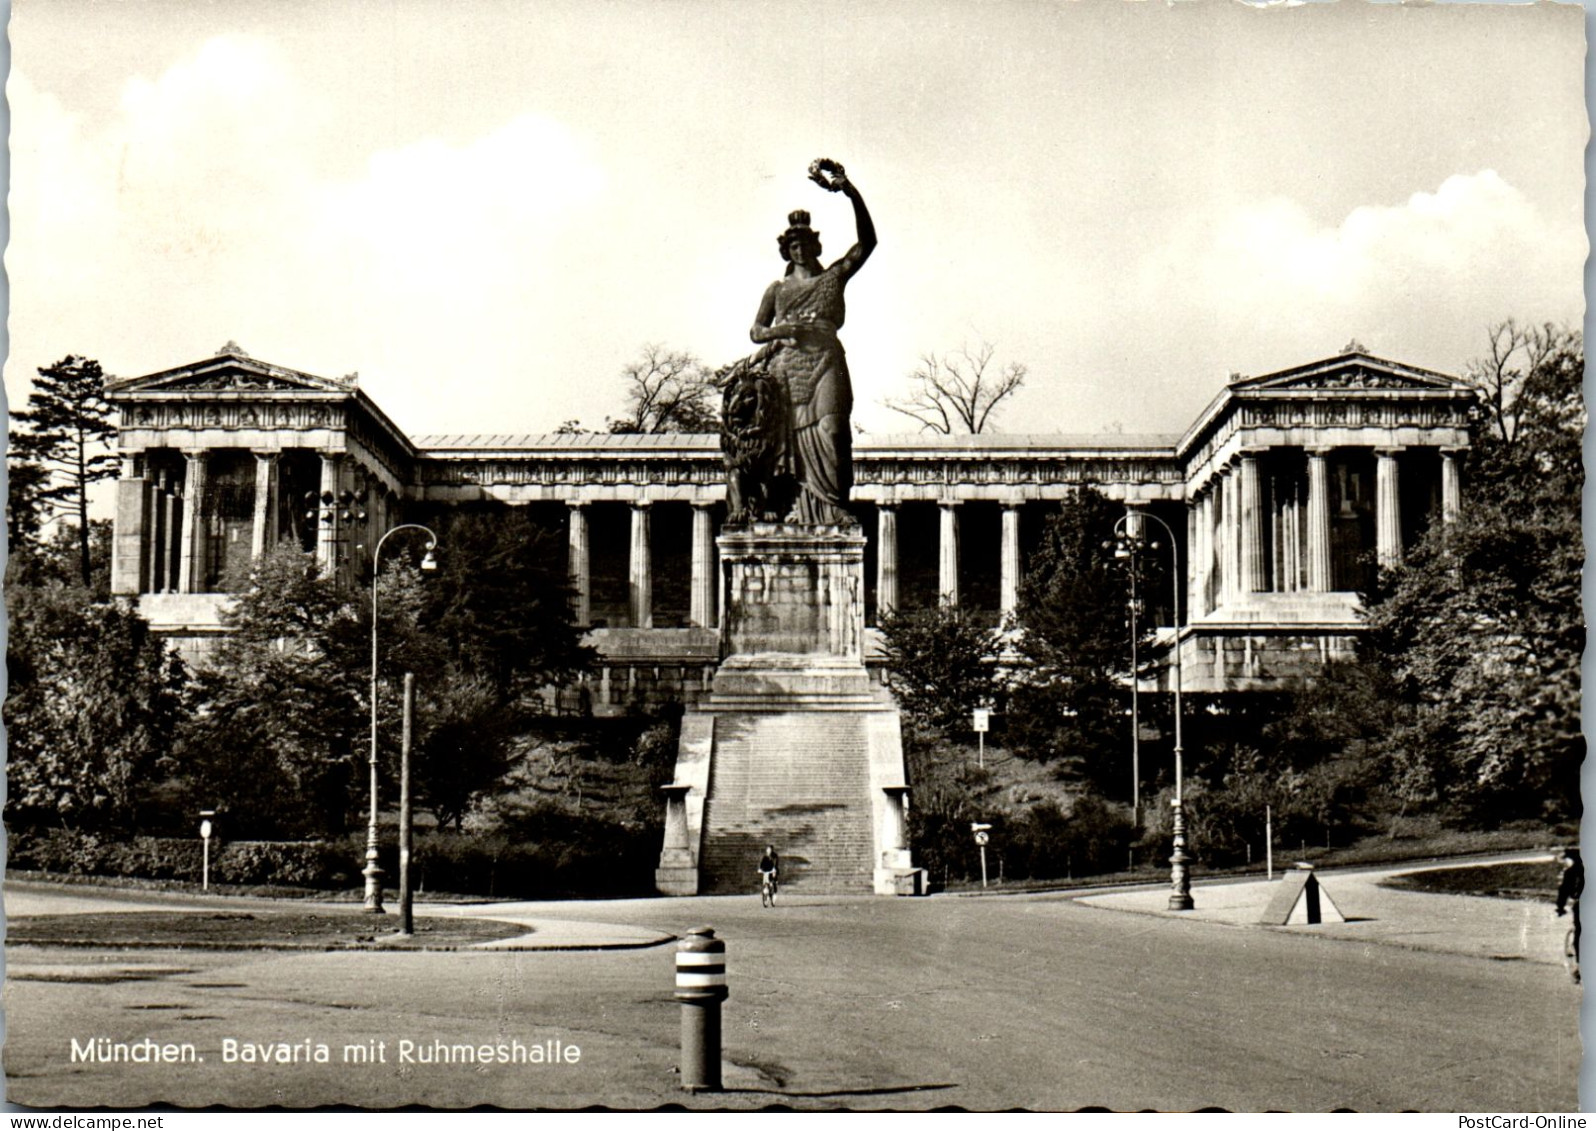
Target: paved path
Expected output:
[29,898]
[1043,1002]
[1502,929]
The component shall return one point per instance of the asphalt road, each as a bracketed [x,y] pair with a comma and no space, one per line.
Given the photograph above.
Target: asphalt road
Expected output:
[864,1003]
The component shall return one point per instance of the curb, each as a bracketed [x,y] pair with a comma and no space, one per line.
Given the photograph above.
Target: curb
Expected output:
[334,948]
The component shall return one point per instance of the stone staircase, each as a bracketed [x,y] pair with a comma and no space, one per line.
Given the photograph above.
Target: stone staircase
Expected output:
[798,780]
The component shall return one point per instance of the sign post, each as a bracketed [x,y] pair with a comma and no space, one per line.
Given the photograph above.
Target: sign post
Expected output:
[1269,839]
[983,719]
[205,840]
[981,838]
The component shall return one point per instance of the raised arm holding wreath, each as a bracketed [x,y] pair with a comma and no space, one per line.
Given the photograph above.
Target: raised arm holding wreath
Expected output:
[797,325]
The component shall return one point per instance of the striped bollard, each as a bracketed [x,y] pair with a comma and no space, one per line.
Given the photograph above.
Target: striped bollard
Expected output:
[701,987]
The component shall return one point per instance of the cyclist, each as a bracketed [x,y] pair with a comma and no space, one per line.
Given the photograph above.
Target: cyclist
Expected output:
[769,869]
[1568,893]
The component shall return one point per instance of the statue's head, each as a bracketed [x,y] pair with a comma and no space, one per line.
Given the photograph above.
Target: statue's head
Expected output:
[801,236]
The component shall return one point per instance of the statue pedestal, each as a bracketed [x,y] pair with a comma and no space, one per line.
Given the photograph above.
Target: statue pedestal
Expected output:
[793,747]
[794,590]
[793,630]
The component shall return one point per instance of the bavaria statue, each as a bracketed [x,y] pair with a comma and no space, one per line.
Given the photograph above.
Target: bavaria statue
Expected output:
[785,427]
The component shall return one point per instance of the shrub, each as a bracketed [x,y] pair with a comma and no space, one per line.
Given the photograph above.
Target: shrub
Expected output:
[295,863]
[555,854]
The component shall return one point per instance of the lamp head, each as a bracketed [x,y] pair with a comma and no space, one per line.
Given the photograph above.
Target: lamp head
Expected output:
[430,561]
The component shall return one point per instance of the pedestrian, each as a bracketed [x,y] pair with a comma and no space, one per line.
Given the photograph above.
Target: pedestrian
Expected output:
[769,870]
[1568,893]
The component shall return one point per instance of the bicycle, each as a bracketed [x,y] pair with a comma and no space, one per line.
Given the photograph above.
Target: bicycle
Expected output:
[767,889]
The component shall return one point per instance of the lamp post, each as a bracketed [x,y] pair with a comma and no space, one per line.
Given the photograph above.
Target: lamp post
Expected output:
[1128,532]
[1125,547]
[372,872]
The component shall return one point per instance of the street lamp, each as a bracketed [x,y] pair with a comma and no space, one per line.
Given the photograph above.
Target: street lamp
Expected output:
[372,872]
[1126,545]
[1127,532]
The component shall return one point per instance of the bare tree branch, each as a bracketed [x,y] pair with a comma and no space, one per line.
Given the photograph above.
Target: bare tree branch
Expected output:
[957,390]
[1517,356]
[667,391]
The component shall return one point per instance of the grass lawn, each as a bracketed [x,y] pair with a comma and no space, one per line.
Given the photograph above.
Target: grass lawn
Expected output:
[1537,882]
[252,930]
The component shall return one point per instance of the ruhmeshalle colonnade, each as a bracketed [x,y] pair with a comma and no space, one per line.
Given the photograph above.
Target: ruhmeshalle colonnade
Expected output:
[1282,487]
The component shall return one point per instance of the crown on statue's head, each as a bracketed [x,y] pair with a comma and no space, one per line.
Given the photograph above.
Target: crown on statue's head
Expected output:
[798,218]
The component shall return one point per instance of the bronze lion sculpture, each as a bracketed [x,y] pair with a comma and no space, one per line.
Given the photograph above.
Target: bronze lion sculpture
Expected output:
[754,442]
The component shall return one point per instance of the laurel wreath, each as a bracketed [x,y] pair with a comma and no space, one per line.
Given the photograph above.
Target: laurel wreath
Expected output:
[828,174]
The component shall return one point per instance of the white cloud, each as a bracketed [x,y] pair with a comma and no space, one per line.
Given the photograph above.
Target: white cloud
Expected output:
[1471,252]
[1266,286]
[197,213]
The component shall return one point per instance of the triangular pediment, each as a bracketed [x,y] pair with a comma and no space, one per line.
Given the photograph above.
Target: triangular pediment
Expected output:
[231,370]
[1351,371]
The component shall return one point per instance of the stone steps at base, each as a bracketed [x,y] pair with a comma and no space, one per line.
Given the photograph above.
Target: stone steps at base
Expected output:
[799,780]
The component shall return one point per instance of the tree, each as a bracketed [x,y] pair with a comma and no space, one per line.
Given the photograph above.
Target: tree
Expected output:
[54,561]
[463,746]
[282,735]
[500,602]
[1529,392]
[68,433]
[1481,628]
[94,701]
[958,391]
[942,665]
[668,391]
[280,712]
[1070,701]
[25,480]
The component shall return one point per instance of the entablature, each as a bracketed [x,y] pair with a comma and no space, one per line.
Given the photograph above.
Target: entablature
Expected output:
[1354,400]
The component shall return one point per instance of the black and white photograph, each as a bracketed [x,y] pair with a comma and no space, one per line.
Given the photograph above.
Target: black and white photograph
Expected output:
[801,556]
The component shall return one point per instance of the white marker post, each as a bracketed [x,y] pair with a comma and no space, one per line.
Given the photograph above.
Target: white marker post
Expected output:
[981,837]
[205,840]
[1269,839]
[983,718]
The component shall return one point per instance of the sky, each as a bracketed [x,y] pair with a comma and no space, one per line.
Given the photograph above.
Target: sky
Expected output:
[488,209]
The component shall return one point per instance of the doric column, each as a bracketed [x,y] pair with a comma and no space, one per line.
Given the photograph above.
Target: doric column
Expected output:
[1252,550]
[1451,486]
[159,532]
[948,554]
[1203,557]
[130,538]
[1009,574]
[263,534]
[886,561]
[579,563]
[1319,580]
[380,515]
[1387,508]
[640,588]
[327,515]
[175,534]
[1193,550]
[1230,537]
[701,598]
[191,563]
[1291,541]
